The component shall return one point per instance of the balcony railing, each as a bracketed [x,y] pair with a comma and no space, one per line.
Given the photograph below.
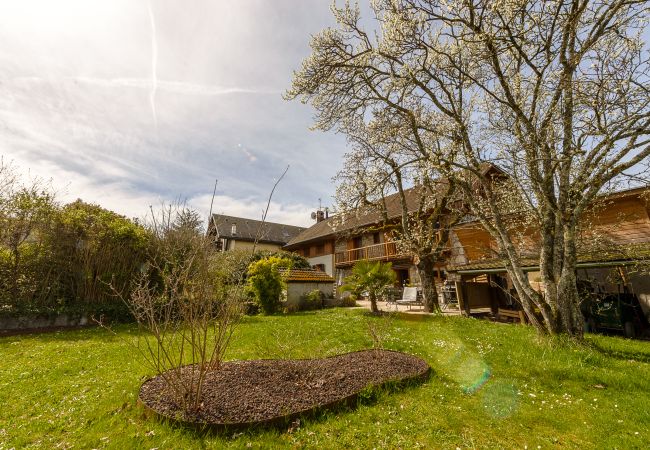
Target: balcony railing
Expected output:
[384,251]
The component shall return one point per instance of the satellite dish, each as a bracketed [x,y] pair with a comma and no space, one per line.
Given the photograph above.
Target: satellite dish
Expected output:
[313,216]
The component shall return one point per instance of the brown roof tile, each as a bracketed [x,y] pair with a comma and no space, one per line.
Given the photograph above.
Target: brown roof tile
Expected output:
[307,275]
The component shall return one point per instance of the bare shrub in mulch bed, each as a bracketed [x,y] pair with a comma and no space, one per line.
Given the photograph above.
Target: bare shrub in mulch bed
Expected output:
[242,394]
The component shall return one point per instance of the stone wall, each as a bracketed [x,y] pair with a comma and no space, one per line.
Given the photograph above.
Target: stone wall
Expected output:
[42,321]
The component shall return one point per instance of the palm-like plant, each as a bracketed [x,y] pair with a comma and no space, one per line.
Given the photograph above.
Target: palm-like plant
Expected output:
[370,277]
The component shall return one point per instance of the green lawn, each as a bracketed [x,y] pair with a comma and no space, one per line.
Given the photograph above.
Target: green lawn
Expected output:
[493,386]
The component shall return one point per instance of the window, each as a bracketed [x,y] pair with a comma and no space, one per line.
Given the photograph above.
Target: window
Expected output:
[375,238]
[319,267]
[355,243]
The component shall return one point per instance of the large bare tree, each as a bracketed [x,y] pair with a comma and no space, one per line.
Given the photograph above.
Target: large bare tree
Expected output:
[555,92]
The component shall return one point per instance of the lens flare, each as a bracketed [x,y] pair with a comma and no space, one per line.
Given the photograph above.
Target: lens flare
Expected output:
[500,399]
[466,367]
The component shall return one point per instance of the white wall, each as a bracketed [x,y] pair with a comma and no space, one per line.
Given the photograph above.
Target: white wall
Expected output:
[295,290]
[327,260]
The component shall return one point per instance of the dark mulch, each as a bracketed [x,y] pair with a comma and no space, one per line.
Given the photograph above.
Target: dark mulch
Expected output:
[266,391]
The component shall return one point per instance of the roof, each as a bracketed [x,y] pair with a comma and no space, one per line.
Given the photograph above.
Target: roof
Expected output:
[370,215]
[307,275]
[622,255]
[247,229]
[362,218]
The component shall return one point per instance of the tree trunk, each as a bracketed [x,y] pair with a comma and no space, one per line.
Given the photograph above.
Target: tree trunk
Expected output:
[373,302]
[561,292]
[429,292]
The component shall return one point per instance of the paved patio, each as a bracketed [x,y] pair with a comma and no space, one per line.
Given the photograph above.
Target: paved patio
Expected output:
[452,311]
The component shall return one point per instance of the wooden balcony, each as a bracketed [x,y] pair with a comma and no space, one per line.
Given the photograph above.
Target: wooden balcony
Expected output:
[386,251]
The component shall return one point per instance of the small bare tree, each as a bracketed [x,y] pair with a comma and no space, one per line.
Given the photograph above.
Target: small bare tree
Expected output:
[186,304]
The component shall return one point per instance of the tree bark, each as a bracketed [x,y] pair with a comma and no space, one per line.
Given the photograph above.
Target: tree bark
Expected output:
[373,302]
[425,269]
[561,292]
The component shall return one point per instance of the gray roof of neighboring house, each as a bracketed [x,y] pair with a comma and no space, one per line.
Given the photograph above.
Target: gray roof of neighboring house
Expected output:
[247,229]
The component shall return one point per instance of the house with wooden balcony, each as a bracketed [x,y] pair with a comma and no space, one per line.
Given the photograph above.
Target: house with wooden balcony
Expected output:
[335,244]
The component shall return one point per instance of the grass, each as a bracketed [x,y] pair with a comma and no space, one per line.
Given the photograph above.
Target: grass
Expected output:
[494,386]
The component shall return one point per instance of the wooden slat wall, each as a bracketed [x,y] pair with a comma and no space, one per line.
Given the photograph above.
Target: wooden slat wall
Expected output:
[624,221]
[476,242]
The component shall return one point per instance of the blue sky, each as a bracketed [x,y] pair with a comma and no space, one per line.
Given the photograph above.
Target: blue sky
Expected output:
[127,103]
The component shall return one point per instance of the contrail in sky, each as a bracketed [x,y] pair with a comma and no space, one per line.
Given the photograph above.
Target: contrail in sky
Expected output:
[172,86]
[154,63]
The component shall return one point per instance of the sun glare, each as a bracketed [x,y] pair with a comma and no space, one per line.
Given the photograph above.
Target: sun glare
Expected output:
[32,18]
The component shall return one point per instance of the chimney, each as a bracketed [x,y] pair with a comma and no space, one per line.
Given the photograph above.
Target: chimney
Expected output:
[320,215]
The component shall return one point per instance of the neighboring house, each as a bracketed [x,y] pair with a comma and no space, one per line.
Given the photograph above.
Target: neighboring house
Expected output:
[238,233]
[334,244]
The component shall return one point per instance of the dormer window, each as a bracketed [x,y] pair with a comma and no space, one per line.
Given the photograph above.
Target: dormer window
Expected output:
[233,229]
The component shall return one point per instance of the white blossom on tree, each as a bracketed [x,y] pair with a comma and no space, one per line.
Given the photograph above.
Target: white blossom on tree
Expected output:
[554,92]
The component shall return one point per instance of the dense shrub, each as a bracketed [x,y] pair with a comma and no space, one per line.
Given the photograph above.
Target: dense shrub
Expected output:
[101,253]
[312,300]
[265,282]
[240,260]
[63,259]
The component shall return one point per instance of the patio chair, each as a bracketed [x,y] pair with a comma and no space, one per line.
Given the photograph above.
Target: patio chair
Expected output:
[448,297]
[410,297]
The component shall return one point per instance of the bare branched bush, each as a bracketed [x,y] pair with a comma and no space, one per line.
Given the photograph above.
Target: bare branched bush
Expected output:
[186,304]
[379,329]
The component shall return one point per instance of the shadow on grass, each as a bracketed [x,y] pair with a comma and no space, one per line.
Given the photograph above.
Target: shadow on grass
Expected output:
[401,316]
[639,355]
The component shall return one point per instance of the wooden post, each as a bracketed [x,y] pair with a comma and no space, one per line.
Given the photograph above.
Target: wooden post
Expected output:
[522,317]
[461,298]
[494,300]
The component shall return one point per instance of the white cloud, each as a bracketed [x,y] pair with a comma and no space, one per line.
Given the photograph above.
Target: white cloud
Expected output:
[75,103]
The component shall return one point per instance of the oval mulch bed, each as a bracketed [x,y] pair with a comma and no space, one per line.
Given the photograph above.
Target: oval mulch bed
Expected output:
[269,392]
